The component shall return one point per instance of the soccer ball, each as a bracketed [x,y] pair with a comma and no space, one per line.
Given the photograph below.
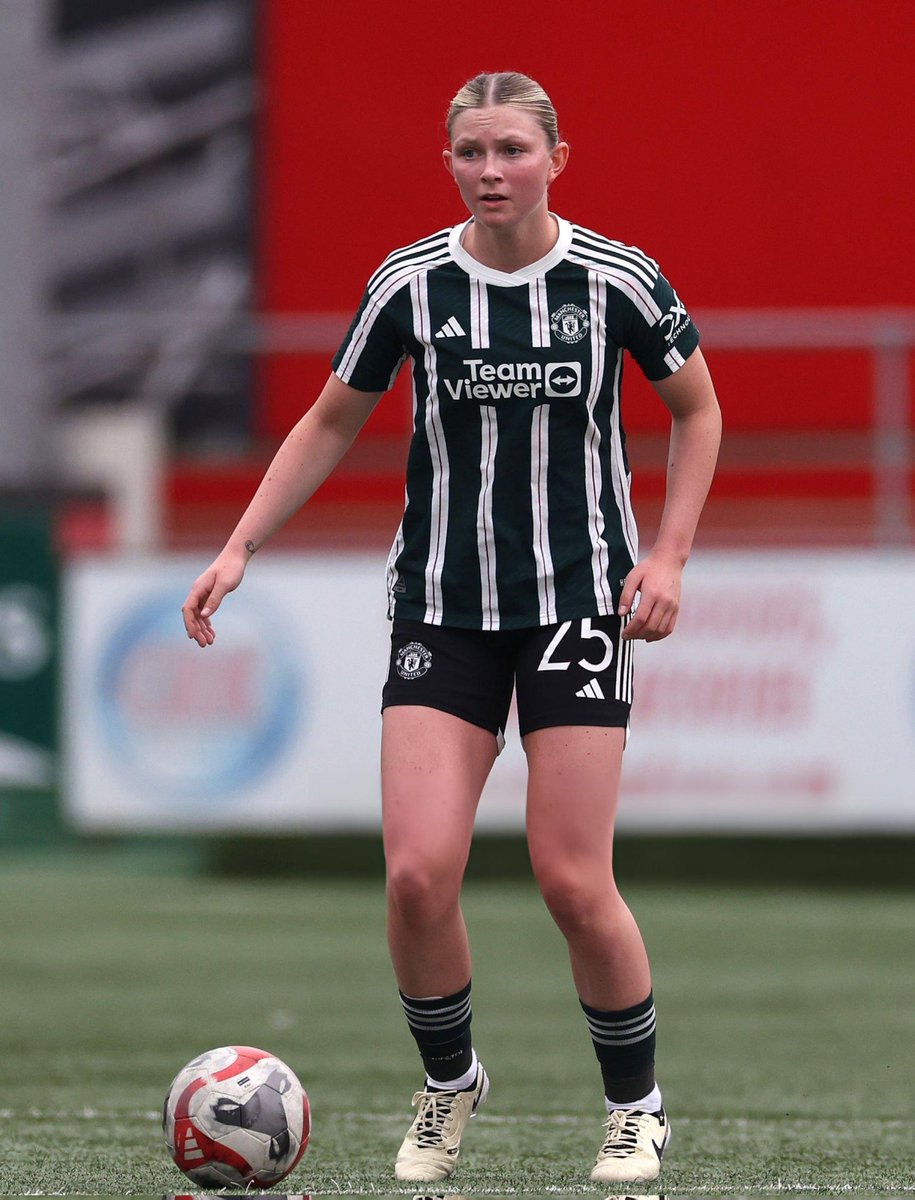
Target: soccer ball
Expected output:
[234,1116]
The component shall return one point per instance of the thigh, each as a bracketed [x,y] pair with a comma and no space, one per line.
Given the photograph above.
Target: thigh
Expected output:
[433,768]
[575,673]
[573,790]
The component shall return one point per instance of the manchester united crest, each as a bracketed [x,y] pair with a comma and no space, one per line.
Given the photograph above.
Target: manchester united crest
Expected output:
[570,323]
[413,660]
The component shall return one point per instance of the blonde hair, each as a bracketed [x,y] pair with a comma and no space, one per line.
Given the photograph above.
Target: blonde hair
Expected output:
[507,87]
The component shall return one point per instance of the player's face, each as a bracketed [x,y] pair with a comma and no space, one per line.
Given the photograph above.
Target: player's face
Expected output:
[503,164]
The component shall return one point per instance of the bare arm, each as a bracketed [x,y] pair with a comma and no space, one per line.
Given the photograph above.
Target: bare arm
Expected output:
[306,458]
[694,440]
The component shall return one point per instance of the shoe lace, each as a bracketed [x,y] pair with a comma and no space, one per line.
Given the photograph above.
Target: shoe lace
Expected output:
[434,1110]
[622,1127]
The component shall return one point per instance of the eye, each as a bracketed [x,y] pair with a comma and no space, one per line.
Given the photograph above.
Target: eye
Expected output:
[468,152]
[513,151]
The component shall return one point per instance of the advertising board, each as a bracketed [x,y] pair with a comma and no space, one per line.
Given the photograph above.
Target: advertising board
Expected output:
[784,701]
[276,726]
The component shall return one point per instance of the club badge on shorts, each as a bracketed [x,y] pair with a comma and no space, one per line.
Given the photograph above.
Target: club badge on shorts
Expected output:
[413,660]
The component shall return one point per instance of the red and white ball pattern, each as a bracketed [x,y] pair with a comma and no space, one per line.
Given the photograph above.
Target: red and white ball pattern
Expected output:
[236,1115]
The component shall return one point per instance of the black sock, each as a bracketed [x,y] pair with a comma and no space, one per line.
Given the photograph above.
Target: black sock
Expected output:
[624,1042]
[441,1026]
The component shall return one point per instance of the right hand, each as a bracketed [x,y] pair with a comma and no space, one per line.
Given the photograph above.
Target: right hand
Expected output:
[207,593]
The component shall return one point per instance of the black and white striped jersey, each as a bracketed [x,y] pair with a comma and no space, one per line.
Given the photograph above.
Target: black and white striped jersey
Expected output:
[517,490]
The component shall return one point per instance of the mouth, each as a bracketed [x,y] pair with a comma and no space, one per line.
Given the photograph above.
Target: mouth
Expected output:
[492,198]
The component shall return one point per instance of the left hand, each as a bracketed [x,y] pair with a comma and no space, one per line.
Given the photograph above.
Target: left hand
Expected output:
[657,580]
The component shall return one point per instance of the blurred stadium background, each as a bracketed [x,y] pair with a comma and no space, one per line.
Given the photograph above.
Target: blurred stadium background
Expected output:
[193,194]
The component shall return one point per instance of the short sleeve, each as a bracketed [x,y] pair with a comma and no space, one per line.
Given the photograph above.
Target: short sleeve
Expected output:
[660,333]
[372,352]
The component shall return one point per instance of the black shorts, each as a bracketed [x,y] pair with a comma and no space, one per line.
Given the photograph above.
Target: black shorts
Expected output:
[574,673]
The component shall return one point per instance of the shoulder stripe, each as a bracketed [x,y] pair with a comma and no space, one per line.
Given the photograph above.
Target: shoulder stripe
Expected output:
[384,290]
[631,287]
[433,257]
[406,254]
[596,241]
[618,258]
[406,269]
[617,261]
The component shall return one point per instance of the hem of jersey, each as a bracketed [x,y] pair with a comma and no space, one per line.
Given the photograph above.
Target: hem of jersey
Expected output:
[510,278]
[506,624]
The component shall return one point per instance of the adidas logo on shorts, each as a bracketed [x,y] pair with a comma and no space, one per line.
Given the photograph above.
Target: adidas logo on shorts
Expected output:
[591,691]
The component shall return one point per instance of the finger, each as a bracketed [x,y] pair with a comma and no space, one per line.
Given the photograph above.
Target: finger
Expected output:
[671,623]
[658,635]
[193,622]
[627,596]
[663,625]
[641,621]
[196,625]
[206,634]
[202,633]
[654,619]
[215,598]
[200,589]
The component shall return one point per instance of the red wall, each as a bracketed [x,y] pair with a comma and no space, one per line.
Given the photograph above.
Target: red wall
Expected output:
[760,151]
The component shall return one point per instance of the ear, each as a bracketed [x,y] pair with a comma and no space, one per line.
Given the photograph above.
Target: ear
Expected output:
[559,156]
[448,161]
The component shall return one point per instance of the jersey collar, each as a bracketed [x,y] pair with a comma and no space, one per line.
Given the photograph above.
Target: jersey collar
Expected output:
[509,278]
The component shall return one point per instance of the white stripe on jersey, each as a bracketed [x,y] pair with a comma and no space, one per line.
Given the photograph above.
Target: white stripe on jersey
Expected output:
[540,313]
[623,282]
[399,541]
[405,255]
[372,310]
[486,537]
[540,462]
[479,314]
[616,254]
[438,451]
[674,359]
[621,477]
[600,551]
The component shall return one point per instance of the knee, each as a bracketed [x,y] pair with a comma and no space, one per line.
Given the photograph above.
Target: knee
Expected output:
[576,903]
[419,892]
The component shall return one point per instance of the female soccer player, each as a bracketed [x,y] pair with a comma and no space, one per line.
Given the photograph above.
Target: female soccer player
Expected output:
[515,568]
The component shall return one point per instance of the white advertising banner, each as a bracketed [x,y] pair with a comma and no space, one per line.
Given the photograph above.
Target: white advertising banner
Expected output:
[275,727]
[784,701]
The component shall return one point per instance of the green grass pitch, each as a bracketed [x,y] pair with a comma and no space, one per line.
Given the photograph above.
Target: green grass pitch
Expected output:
[786,1031]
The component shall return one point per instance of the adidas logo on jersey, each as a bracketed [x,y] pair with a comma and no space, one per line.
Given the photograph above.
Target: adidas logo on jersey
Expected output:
[451,328]
[591,691]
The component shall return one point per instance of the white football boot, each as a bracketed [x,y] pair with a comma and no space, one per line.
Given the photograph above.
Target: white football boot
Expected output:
[633,1147]
[433,1142]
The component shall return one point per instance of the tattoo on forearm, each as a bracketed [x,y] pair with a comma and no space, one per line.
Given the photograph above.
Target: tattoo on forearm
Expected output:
[250,546]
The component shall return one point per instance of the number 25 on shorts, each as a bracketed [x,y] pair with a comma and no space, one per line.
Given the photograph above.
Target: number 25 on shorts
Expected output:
[548,663]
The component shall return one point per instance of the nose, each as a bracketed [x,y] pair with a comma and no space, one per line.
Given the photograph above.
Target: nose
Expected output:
[491,168]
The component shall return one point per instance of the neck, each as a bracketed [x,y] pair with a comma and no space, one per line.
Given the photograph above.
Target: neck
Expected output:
[510,250]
